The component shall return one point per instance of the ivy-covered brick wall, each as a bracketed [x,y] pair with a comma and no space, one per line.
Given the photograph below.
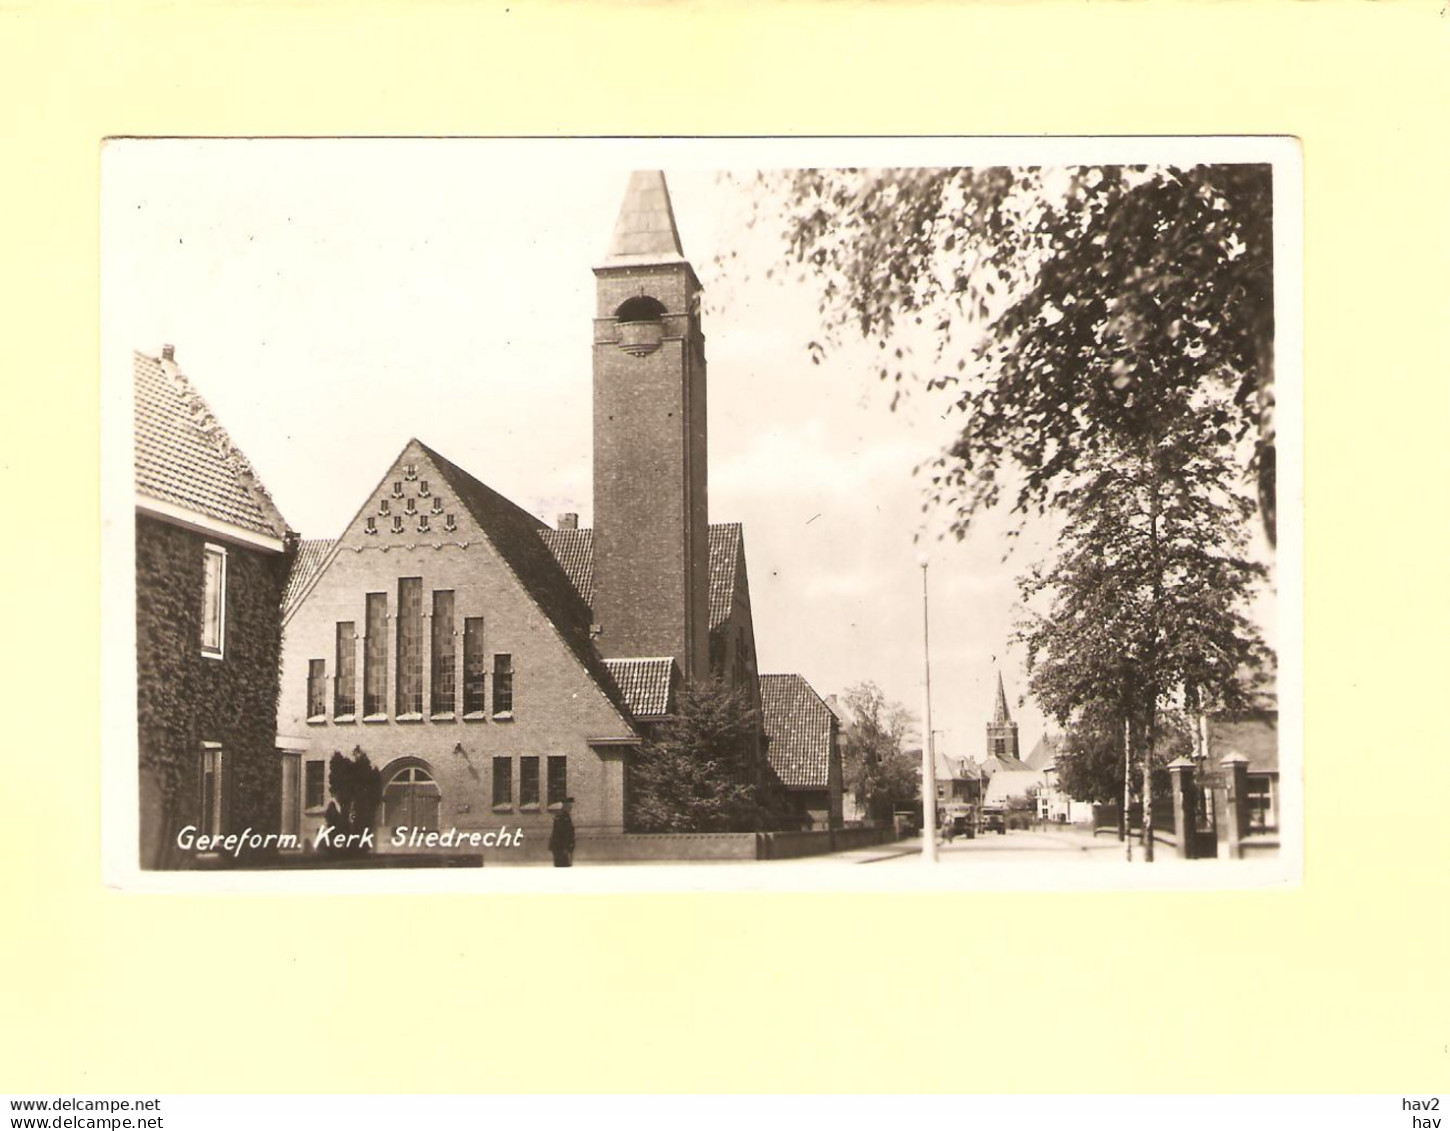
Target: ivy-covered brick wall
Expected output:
[185,699]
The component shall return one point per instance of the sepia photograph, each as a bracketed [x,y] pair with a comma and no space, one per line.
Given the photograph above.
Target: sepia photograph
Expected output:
[750,513]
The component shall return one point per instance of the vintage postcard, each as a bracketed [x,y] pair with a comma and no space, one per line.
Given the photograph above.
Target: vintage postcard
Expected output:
[755,513]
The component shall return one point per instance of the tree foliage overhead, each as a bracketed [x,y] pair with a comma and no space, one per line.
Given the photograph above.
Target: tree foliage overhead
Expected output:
[1060,307]
[876,769]
[1148,586]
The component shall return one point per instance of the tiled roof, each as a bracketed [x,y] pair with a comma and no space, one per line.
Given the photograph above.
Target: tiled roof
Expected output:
[645,229]
[798,725]
[725,540]
[953,769]
[517,536]
[311,552]
[575,551]
[1044,754]
[991,764]
[1254,734]
[1007,784]
[646,684]
[184,458]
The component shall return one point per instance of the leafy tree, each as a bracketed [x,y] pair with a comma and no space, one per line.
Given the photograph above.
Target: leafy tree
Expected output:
[1090,765]
[1059,306]
[876,768]
[356,786]
[696,771]
[1146,592]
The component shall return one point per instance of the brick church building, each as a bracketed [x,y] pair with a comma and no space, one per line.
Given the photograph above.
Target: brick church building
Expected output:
[492,665]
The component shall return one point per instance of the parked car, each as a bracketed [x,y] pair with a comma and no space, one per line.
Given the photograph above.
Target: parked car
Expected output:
[959,819]
[994,819]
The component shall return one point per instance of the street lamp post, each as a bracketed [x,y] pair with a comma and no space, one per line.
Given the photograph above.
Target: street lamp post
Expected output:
[928,754]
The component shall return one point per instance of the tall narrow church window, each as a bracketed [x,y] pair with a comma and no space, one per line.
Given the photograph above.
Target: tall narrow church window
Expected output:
[503,782]
[503,683]
[375,656]
[528,782]
[443,653]
[214,602]
[410,646]
[558,779]
[474,702]
[344,699]
[316,689]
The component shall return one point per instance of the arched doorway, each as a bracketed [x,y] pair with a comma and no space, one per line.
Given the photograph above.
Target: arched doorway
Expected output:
[411,799]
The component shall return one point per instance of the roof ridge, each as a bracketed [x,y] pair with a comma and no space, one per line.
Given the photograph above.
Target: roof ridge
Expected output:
[525,553]
[446,465]
[205,420]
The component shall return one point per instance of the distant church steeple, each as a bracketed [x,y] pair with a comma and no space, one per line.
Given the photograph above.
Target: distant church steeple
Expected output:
[651,505]
[1002,731]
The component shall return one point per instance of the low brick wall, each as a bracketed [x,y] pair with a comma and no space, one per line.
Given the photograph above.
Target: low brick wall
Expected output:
[674,847]
[666,846]
[787,846]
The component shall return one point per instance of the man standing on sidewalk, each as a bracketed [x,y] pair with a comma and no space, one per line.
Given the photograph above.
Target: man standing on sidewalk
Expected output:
[561,837]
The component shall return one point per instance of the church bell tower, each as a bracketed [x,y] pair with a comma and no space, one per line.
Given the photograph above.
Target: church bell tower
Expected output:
[651,510]
[1002,731]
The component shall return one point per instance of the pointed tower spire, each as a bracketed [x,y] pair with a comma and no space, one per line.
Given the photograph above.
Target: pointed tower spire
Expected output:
[645,231]
[1002,731]
[1000,713]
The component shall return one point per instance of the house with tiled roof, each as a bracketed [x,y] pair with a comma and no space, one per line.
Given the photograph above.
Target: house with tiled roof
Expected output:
[213,555]
[958,779]
[492,665]
[803,747]
[1053,803]
[1253,736]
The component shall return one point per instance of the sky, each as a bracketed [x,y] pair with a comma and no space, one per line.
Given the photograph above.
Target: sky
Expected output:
[333,299]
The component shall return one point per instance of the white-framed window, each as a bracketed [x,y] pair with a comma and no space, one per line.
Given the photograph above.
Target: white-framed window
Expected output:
[213,794]
[1260,799]
[214,602]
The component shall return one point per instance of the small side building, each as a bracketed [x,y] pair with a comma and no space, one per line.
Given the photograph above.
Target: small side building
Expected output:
[213,555]
[1052,803]
[1253,735]
[803,747]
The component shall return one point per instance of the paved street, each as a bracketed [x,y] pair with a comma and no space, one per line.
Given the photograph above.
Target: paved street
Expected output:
[1047,845]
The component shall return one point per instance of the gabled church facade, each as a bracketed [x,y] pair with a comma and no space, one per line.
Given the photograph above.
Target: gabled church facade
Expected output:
[491,665]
